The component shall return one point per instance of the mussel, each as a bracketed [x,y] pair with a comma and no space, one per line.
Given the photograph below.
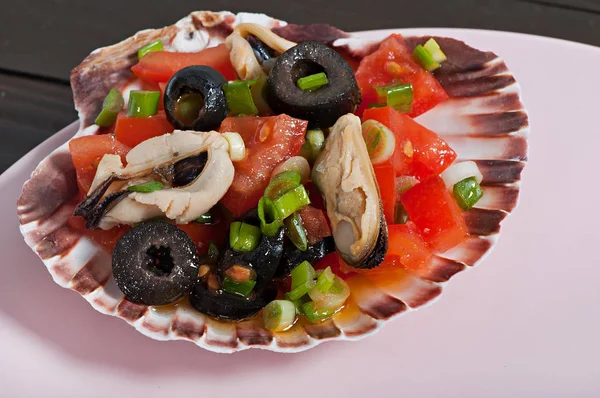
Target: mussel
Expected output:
[194,168]
[344,174]
[323,106]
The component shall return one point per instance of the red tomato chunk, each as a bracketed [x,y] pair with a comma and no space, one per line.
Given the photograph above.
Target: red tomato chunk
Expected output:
[315,223]
[269,141]
[132,131]
[436,214]
[419,151]
[393,62]
[406,243]
[86,153]
[160,66]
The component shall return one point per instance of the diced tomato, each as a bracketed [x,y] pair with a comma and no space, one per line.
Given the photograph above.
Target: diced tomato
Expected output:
[159,66]
[419,151]
[86,153]
[334,261]
[315,223]
[107,239]
[316,200]
[203,234]
[435,213]
[405,243]
[269,141]
[393,62]
[131,131]
[385,173]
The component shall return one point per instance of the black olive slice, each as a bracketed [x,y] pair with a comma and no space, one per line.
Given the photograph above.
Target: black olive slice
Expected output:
[202,87]
[155,263]
[292,256]
[263,260]
[321,107]
[226,306]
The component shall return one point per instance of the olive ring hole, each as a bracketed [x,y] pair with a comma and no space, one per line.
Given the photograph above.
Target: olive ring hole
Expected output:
[160,262]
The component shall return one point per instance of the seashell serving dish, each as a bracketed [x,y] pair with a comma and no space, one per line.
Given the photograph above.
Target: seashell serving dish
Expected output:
[483,121]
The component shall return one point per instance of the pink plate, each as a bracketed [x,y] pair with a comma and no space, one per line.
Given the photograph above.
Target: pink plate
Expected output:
[525,323]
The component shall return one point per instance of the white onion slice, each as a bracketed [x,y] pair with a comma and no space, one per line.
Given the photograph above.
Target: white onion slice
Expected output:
[459,171]
[296,163]
[380,141]
[237,148]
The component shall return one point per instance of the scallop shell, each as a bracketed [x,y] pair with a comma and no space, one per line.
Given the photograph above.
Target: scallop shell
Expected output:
[484,121]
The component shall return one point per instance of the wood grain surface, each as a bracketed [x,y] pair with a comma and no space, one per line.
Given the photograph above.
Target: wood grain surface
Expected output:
[42,40]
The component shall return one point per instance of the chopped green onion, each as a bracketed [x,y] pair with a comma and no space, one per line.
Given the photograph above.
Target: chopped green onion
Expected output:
[269,218]
[325,280]
[380,141]
[241,288]
[425,59]
[279,315]
[401,214]
[205,218]
[213,252]
[244,237]
[146,187]
[434,49]
[312,82]
[278,187]
[376,105]
[237,147]
[298,303]
[143,103]
[467,192]
[314,141]
[239,98]
[315,313]
[398,96]
[301,290]
[154,46]
[257,90]
[288,175]
[404,183]
[112,105]
[292,201]
[334,298]
[302,273]
[295,231]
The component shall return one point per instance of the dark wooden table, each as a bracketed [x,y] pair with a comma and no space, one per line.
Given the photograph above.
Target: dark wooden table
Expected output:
[42,40]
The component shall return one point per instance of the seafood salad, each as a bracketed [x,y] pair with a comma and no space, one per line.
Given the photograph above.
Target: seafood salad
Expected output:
[251,179]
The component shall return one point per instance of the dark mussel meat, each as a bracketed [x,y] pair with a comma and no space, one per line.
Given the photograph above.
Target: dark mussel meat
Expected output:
[321,107]
[263,260]
[187,170]
[292,256]
[194,99]
[226,306]
[155,263]
[262,52]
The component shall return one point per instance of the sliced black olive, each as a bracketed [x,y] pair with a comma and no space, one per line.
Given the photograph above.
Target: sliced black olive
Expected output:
[321,107]
[292,256]
[155,263]
[226,306]
[264,260]
[187,170]
[199,89]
